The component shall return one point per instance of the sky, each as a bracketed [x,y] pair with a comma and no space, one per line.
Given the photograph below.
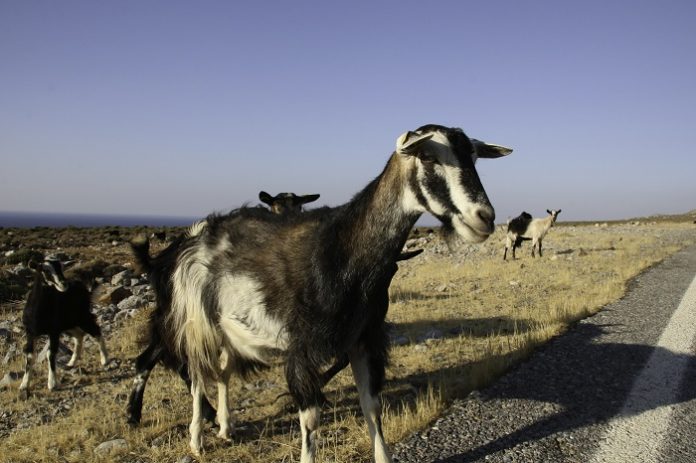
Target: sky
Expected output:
[181,108]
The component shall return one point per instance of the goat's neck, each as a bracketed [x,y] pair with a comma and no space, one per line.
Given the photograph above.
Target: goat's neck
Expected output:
[374,225]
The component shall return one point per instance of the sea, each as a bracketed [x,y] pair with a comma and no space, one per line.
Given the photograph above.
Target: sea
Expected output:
[53,219]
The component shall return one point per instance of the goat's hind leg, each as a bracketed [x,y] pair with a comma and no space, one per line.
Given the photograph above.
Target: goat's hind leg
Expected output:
[223,410]
[78,336]
[144,364]
[93,330]
[368,371]
[196,426]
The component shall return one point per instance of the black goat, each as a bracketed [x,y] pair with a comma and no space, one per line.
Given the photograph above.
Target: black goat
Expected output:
[54,306]
[250,282]
[158,348]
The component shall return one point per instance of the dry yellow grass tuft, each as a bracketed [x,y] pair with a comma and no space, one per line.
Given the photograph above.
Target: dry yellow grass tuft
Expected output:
[462,322]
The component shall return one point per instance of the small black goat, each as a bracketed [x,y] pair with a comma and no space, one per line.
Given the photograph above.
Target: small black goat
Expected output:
[159,339]
[54,306]
[249,283]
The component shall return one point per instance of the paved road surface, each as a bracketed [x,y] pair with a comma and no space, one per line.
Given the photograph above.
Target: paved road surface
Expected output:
[618,387]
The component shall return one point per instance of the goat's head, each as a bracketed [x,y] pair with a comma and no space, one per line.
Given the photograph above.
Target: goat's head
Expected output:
[446,183]
[554,213]
[51,271]
[286,202]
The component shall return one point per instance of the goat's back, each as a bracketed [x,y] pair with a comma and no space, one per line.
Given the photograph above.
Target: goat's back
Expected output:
[519,224]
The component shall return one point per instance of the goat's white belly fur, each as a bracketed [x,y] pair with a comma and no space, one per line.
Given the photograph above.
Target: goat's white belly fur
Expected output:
[244,320]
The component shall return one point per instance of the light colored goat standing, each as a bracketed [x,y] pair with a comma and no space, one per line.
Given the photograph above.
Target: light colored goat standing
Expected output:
[534,229]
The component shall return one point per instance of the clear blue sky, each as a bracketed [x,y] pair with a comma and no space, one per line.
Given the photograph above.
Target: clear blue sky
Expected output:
[181,108]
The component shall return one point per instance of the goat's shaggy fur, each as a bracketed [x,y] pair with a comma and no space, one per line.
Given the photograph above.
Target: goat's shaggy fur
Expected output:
[54,306]
[159,348]
[524,227]
[251,282]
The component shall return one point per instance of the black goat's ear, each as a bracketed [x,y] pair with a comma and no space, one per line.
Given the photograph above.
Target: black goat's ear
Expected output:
[409,142]
[489,150]
[266,198]
[549,212]
[304,199]
[559,211]
[32,264]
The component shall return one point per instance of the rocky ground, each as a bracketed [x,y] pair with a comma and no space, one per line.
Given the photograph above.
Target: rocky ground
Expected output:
[122,294]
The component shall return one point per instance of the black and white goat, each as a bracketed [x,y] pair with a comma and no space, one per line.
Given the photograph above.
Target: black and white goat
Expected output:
[54,306]
[159,339]
[248,283]
[524,227]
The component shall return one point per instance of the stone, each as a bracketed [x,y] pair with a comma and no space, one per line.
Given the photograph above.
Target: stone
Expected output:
[110,447]
[115,295]
[122,278]
[131,302]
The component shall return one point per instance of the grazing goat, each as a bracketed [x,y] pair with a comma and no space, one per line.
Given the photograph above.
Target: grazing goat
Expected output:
[158,349]
[54,306]
[286,202]
[524,227]
[249,283]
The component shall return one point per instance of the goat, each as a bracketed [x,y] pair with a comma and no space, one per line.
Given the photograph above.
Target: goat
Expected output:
[158,349]
[524,227]
[54,306]
[286,202]
[249,283]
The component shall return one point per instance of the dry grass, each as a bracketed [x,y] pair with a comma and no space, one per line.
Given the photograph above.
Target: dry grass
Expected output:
[490,314]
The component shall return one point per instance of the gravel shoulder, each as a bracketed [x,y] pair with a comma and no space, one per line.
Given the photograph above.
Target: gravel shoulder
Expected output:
[555,406]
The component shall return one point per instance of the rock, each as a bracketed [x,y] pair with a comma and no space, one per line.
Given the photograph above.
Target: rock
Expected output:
[185,459]
[110,447]
[115,295]
[399,340]
[132,302]
[9,378]
[122,278]
[431,334]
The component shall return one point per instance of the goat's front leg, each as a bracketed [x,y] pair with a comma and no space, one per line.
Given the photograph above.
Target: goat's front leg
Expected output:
[534,245]
[28,366]
[196,419]
[368,372]
[539,247]
[53,345]
[77,348]
[304,384]
[223,411]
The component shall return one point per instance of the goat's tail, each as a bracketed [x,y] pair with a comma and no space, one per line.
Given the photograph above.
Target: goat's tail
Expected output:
[197,337]
[140,246]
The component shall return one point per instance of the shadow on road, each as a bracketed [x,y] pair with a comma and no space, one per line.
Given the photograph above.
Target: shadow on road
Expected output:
[588,380]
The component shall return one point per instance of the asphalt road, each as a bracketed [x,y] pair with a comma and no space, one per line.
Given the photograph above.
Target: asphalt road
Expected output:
[617,387]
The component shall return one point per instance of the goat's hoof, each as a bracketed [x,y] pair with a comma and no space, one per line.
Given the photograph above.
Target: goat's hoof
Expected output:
[225,435]
[24,394]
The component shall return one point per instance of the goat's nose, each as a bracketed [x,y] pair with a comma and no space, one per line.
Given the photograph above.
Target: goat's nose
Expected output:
[487,215]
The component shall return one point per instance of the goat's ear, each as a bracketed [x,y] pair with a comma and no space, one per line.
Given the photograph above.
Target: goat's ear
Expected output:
[489,150]
[408,254]
[559,211]
[304,199]
[32,264]
[549,212]
[266,198]
[409,142]
[69,263]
